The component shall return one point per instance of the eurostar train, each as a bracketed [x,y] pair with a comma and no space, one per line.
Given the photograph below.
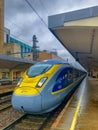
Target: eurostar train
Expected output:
[45,85]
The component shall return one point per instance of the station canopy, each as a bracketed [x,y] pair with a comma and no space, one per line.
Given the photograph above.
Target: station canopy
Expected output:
[7,62]
[78,32]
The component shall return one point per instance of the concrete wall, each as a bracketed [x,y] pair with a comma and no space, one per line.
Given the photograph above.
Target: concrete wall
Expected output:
[12,50]
[46,55]
[94,72]
[28,56]
[10,74]
[42,56]
[4,73]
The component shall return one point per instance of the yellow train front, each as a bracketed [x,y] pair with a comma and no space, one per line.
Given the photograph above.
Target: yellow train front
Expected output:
[45,85]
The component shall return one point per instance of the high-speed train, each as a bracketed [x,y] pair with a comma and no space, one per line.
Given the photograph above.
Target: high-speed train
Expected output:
[45,85]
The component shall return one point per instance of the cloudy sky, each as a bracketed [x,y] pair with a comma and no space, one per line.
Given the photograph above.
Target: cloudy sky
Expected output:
[23,22]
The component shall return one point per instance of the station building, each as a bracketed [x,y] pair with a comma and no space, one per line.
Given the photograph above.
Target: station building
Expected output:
[1,25]
[12,47]
[15,47]
[43,55]
[18,49]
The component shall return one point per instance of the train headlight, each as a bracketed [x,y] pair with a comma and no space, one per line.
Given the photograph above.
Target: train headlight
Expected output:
[19,82]
[41,82]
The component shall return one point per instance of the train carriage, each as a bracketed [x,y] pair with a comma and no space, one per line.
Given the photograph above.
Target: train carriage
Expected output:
[45,85]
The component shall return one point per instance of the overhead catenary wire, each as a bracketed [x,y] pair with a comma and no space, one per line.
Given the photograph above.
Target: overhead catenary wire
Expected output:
[41,2]
[36,12]
[39,16]
[16,29]
[19,28]
[15,25]
[3,30]
[28,3]
[20,39]
[17,36]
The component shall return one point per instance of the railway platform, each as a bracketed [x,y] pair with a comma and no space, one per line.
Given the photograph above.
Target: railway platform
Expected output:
[82,111]
[6,89]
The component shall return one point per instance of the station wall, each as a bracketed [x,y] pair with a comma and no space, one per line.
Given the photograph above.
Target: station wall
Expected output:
[1,25]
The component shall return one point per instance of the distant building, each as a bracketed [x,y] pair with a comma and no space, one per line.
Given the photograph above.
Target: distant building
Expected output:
[47,55]
[17,48]
[6,35]
[24,48]
[43,55]
[14,47]
[1,25]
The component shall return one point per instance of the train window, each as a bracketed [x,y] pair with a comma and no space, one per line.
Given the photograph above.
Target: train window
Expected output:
[61,81]
[38,69]
[70,76]
[65,76]
[75,74]
[41,82]
[62,76]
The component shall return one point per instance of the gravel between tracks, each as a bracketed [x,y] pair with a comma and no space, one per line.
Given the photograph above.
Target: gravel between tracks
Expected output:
[8,116]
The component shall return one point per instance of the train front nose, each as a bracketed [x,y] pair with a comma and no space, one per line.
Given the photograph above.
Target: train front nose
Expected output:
[29,104]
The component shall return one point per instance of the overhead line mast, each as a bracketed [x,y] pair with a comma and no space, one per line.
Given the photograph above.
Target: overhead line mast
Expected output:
[34,48]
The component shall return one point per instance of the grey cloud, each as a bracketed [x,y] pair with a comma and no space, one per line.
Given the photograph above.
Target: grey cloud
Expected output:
[24,23]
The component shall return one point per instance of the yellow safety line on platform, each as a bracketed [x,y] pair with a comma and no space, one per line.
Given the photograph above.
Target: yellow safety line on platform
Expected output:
[56,122]
[77,111]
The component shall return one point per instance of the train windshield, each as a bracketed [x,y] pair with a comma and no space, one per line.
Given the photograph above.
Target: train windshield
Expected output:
[38,69]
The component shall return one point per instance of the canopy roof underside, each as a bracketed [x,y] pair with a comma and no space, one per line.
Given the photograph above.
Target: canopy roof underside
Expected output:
[78,32]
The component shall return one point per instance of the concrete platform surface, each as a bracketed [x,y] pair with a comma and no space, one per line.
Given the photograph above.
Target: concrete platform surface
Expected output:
[88,117]
[82,113]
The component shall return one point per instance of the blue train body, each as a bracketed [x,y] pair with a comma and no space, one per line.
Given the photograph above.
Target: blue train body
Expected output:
[45,85]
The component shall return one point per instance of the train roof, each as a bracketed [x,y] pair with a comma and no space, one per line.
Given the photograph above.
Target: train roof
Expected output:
[60,61]
[53,61]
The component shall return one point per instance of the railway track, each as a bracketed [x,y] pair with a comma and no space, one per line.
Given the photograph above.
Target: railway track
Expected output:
[5,102]
[5,106]
[36,122]
[29,122]
[5,98]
